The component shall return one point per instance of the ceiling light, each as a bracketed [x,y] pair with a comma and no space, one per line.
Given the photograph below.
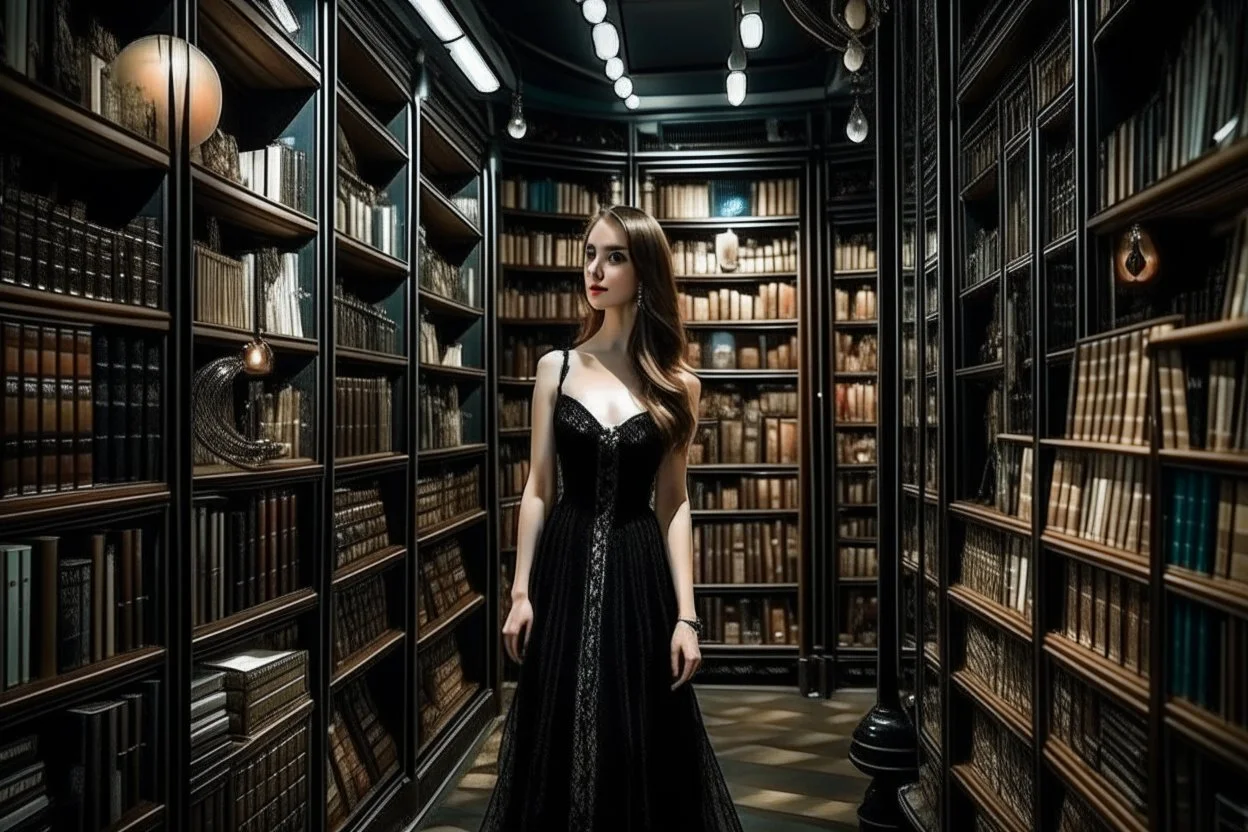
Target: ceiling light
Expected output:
[751,25]
[606,40]
[470,62]
[632,102]
[438,18]
[615,68]
[594,11]
[517,126]
[736,88]
[624,87]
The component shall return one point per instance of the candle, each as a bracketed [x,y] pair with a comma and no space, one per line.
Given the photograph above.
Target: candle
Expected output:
[726,250]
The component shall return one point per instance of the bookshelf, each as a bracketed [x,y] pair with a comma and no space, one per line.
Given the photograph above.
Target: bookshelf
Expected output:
[298,222]
[1112,549]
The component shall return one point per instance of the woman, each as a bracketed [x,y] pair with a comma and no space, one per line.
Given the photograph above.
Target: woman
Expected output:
[604,732]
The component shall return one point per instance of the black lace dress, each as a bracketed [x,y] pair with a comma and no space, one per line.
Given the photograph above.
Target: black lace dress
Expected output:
[595,739]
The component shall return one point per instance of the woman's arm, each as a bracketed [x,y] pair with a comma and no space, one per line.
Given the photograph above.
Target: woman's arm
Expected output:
[671,505]
[539,491]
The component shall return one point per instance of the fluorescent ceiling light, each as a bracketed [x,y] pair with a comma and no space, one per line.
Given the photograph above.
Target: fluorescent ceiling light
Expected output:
[470,62]
[606,41]
[624,87]
[615,68]
[736,88]
[284,16]
[594,11]
[439,19]
[632,102]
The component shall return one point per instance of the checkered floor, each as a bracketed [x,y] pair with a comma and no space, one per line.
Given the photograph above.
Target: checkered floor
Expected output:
[786,759]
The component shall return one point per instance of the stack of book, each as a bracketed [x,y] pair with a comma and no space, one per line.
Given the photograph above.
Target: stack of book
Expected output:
[24,802]
[261,686]
[364,420]
[444,581]
[360,524]
[210,722]
[444,496]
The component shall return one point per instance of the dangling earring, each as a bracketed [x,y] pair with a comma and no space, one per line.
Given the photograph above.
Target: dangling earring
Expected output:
[638,295]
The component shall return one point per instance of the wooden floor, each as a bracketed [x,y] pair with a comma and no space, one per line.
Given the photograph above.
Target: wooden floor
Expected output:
[786,759]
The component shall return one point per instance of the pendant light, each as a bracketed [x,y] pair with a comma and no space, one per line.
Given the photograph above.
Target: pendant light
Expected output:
[517,126]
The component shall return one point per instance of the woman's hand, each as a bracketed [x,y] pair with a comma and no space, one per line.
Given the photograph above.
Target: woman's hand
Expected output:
[684,651]
[519,619]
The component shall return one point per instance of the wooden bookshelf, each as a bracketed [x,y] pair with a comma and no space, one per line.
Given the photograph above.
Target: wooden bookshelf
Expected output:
[265,616]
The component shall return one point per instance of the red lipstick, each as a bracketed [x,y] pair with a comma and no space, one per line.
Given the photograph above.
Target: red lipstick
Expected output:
[597,290]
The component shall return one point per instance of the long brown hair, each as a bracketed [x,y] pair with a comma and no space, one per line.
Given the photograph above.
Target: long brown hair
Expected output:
[657,342]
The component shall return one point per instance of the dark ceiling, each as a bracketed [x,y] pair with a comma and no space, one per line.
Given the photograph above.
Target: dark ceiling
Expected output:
[676,52]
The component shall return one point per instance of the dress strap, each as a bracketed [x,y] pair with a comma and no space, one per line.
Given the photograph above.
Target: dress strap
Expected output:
[563,372]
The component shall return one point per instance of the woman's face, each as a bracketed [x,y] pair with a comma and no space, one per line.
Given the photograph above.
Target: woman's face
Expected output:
[610,278]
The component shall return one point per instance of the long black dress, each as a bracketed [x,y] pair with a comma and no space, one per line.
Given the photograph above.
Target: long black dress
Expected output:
[595,739]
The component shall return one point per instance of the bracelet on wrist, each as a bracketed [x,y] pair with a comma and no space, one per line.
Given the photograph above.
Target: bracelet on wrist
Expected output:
[694,623]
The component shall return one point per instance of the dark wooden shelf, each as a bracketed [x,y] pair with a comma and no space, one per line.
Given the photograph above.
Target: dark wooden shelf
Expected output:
[734,277]
[1058,356]
[1230,596]
[1014,35]
[98,499]
[79,310]
[443,221]
[469,449]
[368,565]
[243,207]
[378,463]
[856,275]
[990,701]
[461,373]
[857,466]
[1058,112]
[993,612]
[516,267]
[466,701]
[931,657]
[1100,447]
[44,695]
[207,637]
[515,432]
[524,213]
[755,223]
[982,186]
[279,472]
[742,513]
[713,647]
[1130,689]
[438,304]
[362,259]
[857,506]
[852,375]
[1214,332]
[857,580]
[990,517]
[744,468]
[1019,438]
[366,657]
[247,46]
[371,358]
[1018,264]
[244,748]
[373,799]
[871,324]
[37,114]
[856,425]
[989,282]
[539,321]
[435,629]
[1119,561]
[367,72]
[234,338]
[143,816]
[981,371]
[1216,736]
[1060,245]
[1092,786]
[1209,185]
[918,814]
[747,375]
[778,323]
[371,141]
[763,588]
[1229,462]
[455,525]
[516,381]
[985,799]
[506,502]
[440,155]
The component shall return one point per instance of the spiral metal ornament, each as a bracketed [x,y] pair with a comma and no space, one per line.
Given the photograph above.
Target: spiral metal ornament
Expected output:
[212,392]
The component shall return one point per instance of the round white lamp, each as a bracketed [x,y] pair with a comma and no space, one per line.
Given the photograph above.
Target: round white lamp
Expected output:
[154,63]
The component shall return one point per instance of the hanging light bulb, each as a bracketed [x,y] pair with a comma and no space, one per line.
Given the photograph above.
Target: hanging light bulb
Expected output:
[517,127]
[615,68]
[594,11]
[856,14]
[736,87]
[751,25]
[856,127]
[855,55]
[632,102]
[257,358]
[606,40]
[624,87]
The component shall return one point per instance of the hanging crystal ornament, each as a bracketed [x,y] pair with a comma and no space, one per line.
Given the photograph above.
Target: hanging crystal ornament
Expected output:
[856,14]
[856,128]
[1135,260]
[855,55]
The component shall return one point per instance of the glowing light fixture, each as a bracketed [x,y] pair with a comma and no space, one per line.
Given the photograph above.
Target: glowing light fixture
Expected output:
[517,126]
[474,67]
[438,18]
[624,87]
[751,25]
[736,88]
[615,68]
[594,11]
[606,41]
[157,63]
[632,102]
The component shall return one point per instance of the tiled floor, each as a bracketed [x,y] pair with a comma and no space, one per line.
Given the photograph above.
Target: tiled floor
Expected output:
[786,759]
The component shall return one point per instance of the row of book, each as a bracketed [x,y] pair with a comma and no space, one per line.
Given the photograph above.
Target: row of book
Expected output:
[441,420]
[1003,763]
[1200,103]
[857,562]
[983,257]
[1017,210]
[722,350]
[771,301]
[857,488]
[1207,527]
[442,496]
[366,214]
[855,401]
[361,616]
[362,752]
[224,290]
[860,618]
[1110,399]
[1107,614]
[513,469]
[853,353]
[430,348]
[364,416]
[743,493]
[521,247]
[445,687]
[541,300]
[1103,498]
[549,196]
[67,602]
[73,418]
[856,448]
[362,325]
[85,773]
[854,252]
[855,304]
[1230,275]
[997,566]
[746,552]
[54,247]
[514,412]
[444,279]
[695,258]
[1055,67]
[279,172]
[1108,737]
[979,153]
[518,354]
[1012,490]
[1207,667]
[1192,420]
[444,581]
[244,552]
[861,526]
[744,620]
[361,527]
[1060,189]
[1001,662]
[767,439]
[720,198]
